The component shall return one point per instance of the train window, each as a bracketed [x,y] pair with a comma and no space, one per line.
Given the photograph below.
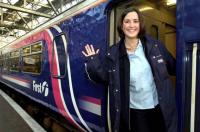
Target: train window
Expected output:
[0,52]
[36,48]
[1,63]
[6,61]
[32,63]
[32,58]
[14,54]
[1,60]
[14,61]
[26,50]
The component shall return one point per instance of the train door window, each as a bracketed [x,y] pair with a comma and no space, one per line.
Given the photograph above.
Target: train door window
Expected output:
[14,61]
[59,59]
[32,58]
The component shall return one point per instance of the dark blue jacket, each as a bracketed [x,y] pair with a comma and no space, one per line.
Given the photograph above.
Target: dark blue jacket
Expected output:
[115,73]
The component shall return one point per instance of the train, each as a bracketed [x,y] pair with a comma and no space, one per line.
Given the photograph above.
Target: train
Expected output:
[47,66]
[188,65]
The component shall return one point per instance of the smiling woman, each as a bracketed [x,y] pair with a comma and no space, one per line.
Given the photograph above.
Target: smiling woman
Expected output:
[136,70]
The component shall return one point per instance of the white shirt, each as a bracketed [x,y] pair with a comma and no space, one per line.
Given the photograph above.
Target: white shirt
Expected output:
[143,93]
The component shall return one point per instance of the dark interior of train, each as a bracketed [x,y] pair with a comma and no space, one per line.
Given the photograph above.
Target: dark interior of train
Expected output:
[160,22]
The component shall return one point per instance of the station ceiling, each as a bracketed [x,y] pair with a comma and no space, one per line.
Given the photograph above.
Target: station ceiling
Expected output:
[17,17]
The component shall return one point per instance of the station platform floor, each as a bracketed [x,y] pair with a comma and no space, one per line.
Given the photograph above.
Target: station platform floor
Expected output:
[14,119]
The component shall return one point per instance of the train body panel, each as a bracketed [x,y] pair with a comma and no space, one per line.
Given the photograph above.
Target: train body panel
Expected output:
[188,63]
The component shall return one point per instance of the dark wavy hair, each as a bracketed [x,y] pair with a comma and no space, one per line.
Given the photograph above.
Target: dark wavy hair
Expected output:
[120,22]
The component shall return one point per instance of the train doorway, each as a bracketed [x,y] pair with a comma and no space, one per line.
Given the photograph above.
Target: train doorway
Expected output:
[160,22]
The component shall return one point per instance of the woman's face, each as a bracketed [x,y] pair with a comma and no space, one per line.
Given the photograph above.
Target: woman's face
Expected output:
[131,25]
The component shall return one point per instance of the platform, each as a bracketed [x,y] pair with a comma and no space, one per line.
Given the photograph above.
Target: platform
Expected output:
[14,119]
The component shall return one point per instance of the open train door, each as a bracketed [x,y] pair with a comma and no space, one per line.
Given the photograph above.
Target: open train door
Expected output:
[188,65]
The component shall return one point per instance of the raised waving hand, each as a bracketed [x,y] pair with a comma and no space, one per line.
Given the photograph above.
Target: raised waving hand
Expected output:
[89,50]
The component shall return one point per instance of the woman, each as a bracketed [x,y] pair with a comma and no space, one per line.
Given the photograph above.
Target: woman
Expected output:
[137,72]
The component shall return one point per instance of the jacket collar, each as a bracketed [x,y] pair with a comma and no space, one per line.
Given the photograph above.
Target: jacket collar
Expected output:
[147,46]
[116,51]
[122,49]
[113,51]
[119,50]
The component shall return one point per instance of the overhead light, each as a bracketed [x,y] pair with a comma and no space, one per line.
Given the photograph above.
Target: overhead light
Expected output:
[45,2]
[23,14]
[145,8]
[8,22]
[13,1]
[171,2]
[4,9]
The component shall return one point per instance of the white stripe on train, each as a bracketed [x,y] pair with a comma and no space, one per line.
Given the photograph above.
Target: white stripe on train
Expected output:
[16,81]
[90,107]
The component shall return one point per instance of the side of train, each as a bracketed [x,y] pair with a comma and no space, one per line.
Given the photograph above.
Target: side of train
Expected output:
[188,65]
[47,65]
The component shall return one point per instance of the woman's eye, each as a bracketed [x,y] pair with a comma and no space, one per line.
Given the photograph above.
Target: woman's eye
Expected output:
[136,21]
[126,21]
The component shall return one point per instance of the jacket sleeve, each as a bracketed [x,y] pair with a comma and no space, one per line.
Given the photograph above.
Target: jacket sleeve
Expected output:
[170,60]
[96,70]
